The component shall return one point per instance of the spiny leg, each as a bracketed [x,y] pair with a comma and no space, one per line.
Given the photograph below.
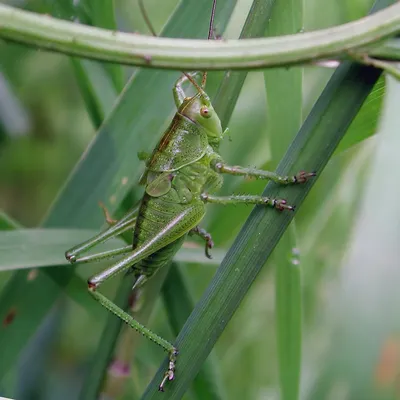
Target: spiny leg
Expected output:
[167,346]
[205,236]
[279,204]
[223,168]
[123,265]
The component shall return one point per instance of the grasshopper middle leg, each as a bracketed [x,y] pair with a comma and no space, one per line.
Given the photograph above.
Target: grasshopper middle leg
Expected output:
[223,168]
[279,204]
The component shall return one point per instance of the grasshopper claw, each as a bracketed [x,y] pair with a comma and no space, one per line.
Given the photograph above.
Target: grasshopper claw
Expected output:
[70,257]
[170,373]
[168,376]
[281,205]
[303,176]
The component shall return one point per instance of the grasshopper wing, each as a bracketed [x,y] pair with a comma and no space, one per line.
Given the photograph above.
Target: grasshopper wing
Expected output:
[182,144]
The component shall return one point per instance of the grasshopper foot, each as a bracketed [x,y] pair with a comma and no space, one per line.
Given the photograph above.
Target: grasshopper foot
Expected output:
[209,245]
[170,373]
[70,257]
[281,205]
[303,176]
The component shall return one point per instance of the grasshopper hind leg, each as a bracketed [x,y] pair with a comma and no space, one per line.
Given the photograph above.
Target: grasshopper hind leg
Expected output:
[136,263]
[128,319]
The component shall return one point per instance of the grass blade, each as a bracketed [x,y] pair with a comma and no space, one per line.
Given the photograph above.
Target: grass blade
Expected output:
[284,86]
[95,79]
[102,14]
[232,83]
[365,124]
[37,248]
[284,89]
[99,83]
[7,223]
[96,87]
[32,248]
[288,314]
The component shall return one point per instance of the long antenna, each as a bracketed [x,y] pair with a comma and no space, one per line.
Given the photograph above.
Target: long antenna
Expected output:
[210,36]
[211,28]
[200,88]
[194,83]
[146,18]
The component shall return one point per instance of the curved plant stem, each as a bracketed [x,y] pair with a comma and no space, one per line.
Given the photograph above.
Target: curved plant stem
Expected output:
[74,39]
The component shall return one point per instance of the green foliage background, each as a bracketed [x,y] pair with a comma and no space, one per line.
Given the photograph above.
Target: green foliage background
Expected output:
[341,249]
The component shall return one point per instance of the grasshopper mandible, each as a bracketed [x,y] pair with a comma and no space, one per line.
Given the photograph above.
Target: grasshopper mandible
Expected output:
[184,168]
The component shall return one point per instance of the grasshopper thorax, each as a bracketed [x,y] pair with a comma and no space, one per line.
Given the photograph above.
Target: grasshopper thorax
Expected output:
[200,110]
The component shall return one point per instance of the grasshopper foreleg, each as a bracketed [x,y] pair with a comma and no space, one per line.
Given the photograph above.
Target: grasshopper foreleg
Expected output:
[206,237]
[120,266]
[223,168]
[279,204]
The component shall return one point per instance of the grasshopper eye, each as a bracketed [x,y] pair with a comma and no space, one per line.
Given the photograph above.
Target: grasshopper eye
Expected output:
[205,112]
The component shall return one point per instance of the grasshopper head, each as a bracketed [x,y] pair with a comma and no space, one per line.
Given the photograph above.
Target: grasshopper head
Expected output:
[200,110]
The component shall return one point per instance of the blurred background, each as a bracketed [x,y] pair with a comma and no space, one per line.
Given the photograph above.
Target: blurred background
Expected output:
[346,232]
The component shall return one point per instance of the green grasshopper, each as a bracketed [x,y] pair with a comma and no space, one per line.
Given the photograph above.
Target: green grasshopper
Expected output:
[180,175]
